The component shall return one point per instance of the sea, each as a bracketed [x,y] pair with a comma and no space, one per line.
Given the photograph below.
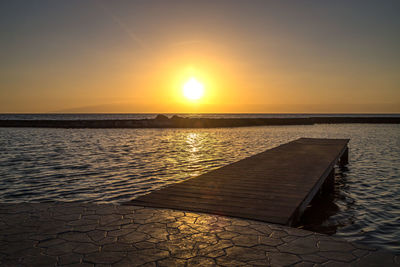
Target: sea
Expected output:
[117,165]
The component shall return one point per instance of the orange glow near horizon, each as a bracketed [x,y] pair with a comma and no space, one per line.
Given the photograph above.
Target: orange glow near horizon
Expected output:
[193,89]
[268,62]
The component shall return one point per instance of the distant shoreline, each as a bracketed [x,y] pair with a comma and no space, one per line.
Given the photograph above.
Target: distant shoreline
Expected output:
[162,121]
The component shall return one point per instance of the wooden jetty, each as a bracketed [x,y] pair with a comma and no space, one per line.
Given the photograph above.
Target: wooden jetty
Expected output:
[273,186]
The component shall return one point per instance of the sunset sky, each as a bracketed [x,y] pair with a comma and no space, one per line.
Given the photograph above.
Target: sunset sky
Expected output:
[250,56]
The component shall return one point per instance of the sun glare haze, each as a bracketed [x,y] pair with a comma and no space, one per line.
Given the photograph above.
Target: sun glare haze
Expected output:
[193,89]
[135,56]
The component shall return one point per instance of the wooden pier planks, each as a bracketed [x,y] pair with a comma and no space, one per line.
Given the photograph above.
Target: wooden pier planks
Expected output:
[273,186]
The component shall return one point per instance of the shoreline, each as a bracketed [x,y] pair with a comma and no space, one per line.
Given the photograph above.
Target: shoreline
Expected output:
[59,233]
[162,121]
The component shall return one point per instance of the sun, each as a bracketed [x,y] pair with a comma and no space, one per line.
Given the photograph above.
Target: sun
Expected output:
[193,89]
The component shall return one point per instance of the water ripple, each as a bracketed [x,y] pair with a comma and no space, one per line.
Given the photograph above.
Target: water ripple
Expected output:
[116,165]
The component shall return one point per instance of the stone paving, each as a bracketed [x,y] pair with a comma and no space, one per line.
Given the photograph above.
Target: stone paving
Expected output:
[79,234]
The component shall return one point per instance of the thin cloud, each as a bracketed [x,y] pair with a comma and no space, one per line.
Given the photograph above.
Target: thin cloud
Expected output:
[122,25]
[185,43]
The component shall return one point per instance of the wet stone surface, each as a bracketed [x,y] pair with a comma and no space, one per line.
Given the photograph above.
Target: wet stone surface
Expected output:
[79,234]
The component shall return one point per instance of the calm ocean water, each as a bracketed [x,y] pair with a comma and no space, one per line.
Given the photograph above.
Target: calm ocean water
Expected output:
[116,165]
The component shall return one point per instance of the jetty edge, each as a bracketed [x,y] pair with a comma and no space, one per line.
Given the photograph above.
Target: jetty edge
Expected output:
[274,186]
[162,121]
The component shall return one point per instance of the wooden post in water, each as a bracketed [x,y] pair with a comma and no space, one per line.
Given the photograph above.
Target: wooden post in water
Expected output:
[344,159]
[329,184]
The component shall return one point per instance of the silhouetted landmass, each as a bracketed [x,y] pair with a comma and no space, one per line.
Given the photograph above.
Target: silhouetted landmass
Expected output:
[162,121]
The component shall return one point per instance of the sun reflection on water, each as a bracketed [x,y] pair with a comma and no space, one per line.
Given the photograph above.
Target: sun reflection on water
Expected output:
[194,146]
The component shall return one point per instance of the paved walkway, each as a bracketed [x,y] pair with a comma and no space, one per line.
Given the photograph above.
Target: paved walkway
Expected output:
[111,235]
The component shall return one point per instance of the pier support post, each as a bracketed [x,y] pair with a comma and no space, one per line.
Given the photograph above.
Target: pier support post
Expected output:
[329,184]
[344,159]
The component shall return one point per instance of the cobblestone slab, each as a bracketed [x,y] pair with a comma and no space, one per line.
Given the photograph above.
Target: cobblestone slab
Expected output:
[79,234]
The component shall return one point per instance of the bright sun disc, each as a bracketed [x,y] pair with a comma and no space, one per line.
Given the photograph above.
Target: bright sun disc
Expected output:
[193,90]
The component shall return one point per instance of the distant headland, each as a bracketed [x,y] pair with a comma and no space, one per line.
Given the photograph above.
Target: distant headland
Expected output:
[162,121]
